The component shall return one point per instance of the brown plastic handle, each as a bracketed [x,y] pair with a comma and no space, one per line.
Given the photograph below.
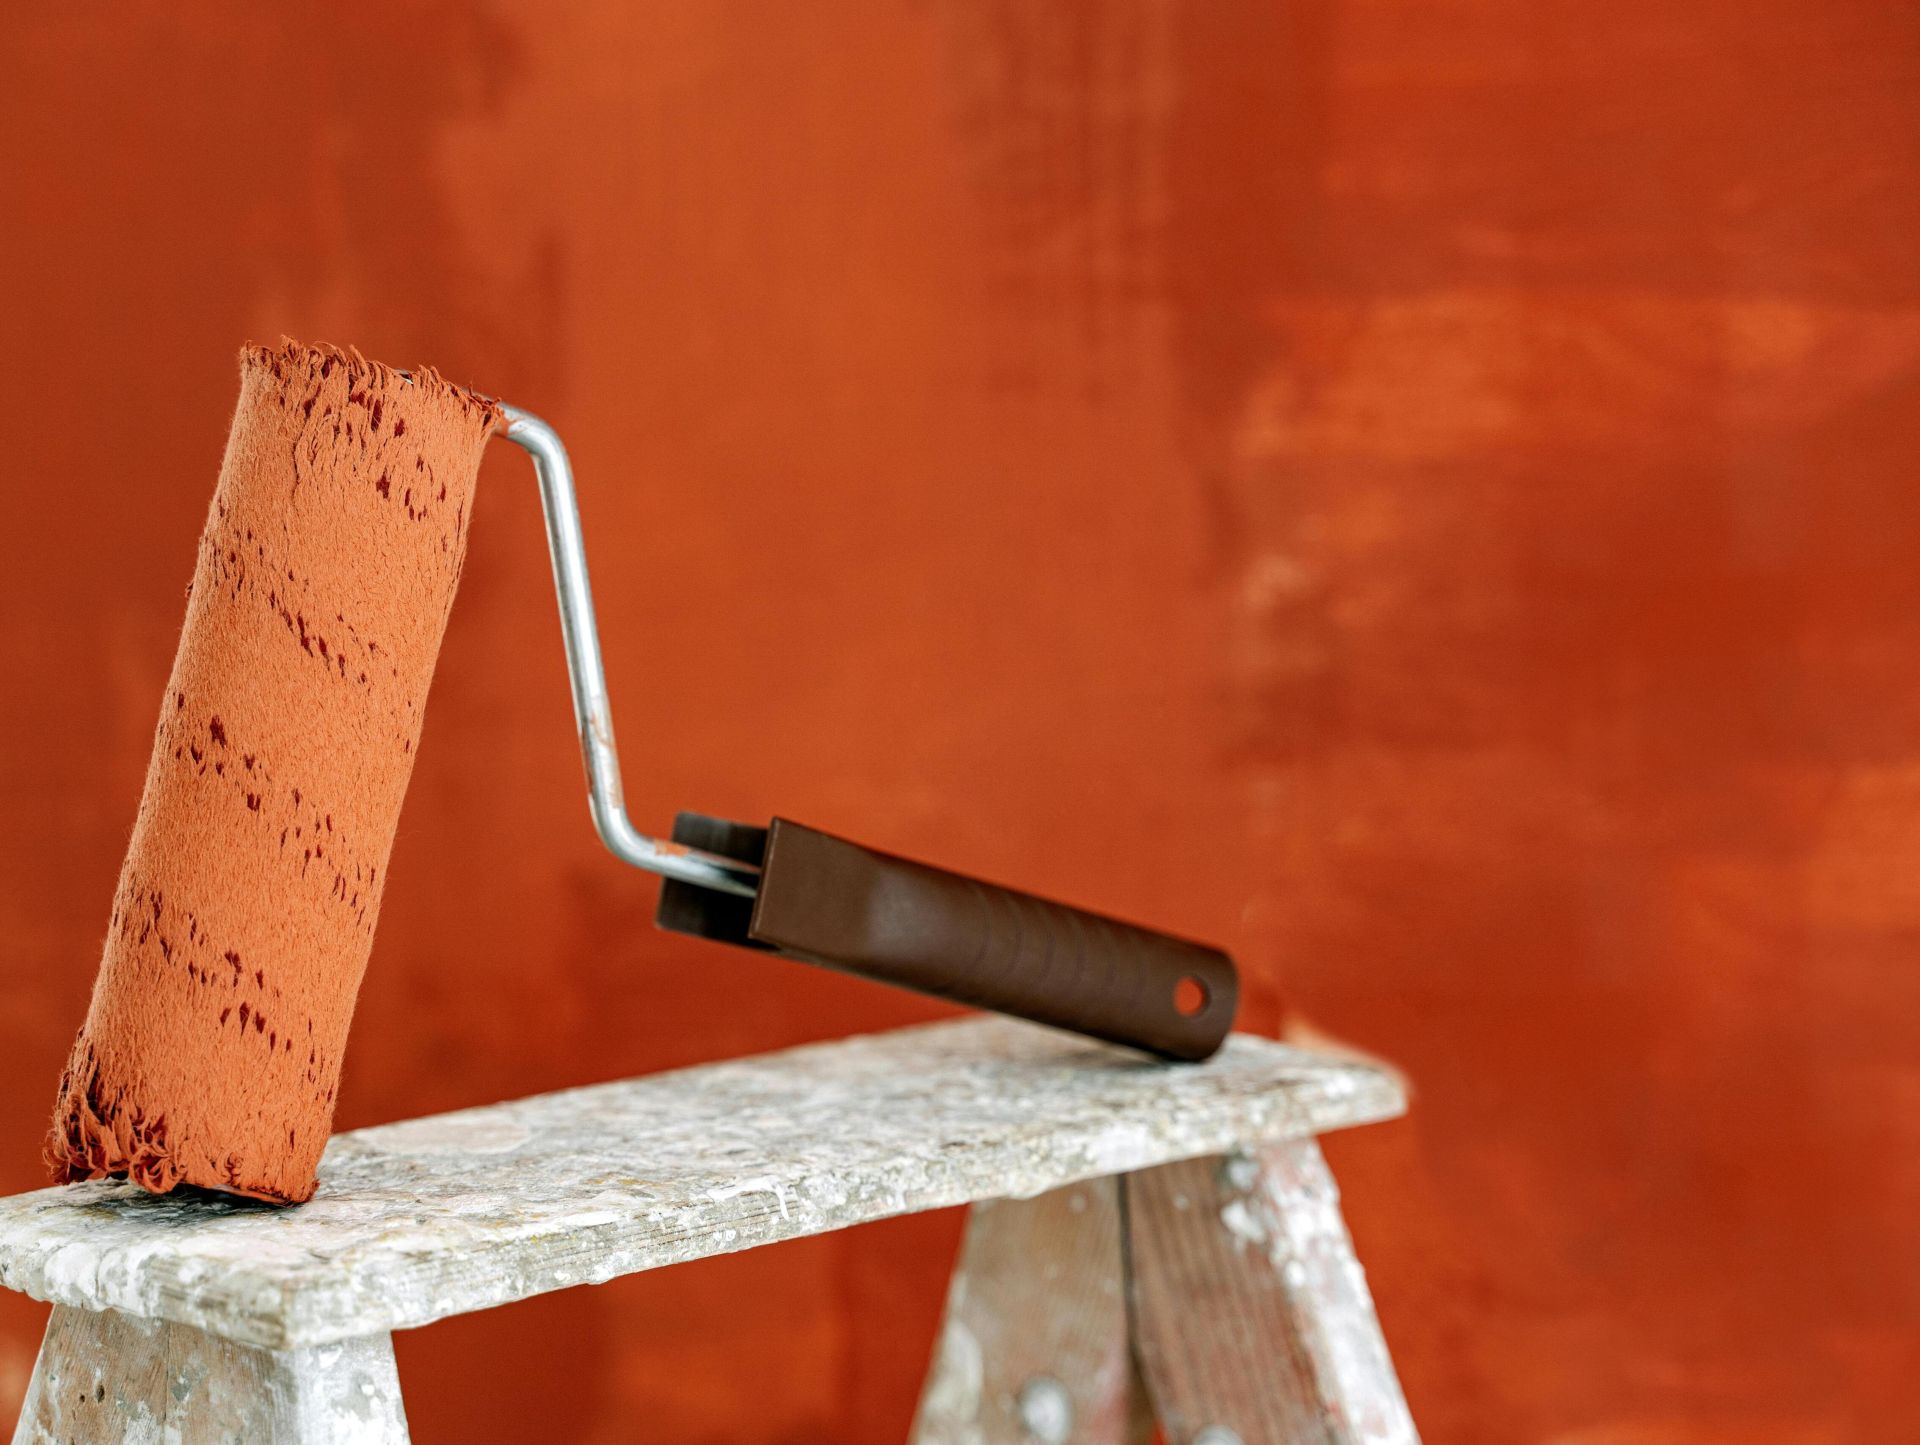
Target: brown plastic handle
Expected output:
[828,901]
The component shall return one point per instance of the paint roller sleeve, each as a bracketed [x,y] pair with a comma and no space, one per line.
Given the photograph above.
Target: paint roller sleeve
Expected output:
[246,906]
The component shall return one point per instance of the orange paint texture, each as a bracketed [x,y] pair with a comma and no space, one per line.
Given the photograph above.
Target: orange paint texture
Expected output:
[1421,494]
[212,1048]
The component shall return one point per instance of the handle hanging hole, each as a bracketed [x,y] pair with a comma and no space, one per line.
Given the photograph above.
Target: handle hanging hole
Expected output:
[1190,997]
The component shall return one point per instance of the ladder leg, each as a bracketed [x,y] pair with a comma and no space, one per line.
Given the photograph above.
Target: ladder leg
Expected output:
[1034,1344]
[106,1378]
[1251,1316]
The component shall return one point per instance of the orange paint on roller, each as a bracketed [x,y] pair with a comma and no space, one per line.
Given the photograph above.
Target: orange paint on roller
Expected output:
[246,906]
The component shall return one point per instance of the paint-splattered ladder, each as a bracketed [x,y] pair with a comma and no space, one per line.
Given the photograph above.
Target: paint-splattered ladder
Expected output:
[1146,1240]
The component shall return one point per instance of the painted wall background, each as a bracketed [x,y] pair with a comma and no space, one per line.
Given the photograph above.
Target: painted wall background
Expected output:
[1423,493]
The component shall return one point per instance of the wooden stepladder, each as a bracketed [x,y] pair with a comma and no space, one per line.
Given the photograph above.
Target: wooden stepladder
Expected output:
[1147,1242]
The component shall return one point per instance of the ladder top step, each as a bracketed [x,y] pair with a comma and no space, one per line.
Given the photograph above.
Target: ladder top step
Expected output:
[439,1216]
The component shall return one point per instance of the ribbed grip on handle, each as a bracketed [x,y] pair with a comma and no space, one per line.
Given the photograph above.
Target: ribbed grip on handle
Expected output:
[828,901]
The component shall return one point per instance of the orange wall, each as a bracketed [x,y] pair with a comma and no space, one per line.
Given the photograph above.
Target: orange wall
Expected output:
[1423,493]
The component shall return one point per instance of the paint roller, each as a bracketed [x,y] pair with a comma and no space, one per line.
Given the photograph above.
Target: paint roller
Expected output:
[244,913]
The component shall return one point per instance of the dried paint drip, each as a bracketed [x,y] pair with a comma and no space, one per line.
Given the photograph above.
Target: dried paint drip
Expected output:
[246,906]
